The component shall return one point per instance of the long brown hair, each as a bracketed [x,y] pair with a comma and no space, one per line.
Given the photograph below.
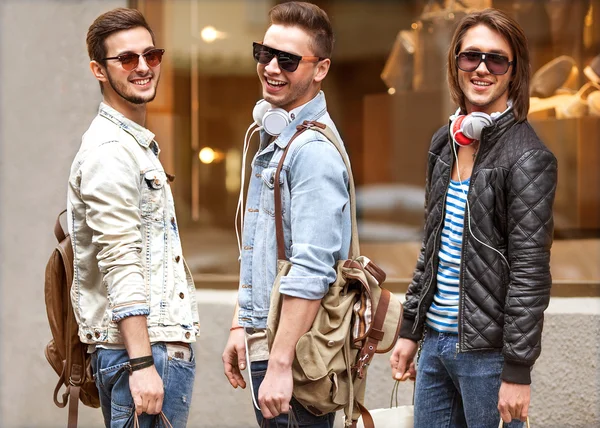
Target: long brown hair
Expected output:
[311,18]
[111,22]
[496,20]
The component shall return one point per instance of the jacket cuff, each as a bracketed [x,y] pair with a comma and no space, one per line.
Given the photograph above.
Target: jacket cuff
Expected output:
[304,287]
[516,373]
[130,311]
[406,330]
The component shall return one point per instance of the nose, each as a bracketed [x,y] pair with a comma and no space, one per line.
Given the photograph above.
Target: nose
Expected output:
[482,67]
[273,66]
[142,66]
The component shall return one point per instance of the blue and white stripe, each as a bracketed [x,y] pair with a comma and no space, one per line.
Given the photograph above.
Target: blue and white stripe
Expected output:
[443,313]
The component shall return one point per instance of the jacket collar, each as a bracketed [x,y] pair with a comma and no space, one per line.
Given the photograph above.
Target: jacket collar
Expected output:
[313,110]
[143,136]
[492,133]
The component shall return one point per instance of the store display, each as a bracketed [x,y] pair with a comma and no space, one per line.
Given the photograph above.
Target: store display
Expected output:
[592,71]
[552,76]
[594,104]
[398,70]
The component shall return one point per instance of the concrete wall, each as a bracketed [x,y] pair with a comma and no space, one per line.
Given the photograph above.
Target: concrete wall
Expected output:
[47,99]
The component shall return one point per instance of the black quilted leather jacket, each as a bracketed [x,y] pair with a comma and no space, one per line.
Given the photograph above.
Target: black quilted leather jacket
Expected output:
[510,198]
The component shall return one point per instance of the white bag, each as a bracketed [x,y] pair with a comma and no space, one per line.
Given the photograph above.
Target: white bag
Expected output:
[394,417]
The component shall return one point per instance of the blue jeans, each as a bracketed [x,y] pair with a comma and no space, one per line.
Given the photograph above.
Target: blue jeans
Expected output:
[457,389]
[115,396]
[303,416]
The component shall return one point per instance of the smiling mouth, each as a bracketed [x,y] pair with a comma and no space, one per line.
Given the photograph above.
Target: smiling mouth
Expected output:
[480,83]
[275,83]
[141,82]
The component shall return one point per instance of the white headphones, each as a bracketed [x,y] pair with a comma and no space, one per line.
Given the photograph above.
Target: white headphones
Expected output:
[467,128]
[272,119]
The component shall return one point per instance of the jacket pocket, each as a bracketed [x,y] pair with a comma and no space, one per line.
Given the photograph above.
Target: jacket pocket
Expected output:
[268,191]
[153,195]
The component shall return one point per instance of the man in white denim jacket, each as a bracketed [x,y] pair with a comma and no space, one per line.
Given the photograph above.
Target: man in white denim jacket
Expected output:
[293,59]
[132,293]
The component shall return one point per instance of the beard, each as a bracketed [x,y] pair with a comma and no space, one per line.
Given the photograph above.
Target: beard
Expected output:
[122,90]
[298,91]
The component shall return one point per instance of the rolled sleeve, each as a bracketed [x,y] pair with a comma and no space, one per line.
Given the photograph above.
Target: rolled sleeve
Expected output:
[109,186]
[319,209]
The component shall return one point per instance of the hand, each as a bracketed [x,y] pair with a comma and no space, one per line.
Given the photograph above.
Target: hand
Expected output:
[147,391]
[402,360]
[234,358]
[513,401]
[275,392]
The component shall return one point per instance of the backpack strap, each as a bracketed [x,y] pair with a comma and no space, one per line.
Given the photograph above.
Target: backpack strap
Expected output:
[58,229]
[375,334]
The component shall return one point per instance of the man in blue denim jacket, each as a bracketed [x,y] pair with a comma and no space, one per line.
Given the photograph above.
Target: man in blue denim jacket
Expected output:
[293,60]
[133,296]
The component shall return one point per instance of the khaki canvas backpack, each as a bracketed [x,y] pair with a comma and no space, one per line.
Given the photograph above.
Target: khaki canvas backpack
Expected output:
[357,318]
[65,352]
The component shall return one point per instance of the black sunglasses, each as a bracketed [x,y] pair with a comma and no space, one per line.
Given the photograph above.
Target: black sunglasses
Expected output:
[496,64]
[287,61]
[130,61]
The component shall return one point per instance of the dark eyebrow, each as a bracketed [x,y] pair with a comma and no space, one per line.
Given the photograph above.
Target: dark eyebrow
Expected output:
[149,48]
[494,51]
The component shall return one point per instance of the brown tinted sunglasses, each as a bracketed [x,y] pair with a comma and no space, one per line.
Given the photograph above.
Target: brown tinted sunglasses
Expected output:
[130,61]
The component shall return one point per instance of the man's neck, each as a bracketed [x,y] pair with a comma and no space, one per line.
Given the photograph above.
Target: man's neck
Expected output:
[133,112]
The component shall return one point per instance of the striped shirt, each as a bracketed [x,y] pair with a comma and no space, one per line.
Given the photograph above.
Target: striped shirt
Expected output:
[443,313]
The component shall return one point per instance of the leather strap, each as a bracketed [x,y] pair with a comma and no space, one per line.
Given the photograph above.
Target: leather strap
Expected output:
[366,416]
[278,211]
[375,334]
[161,417]
[73,405]
[330,135]
[58,230]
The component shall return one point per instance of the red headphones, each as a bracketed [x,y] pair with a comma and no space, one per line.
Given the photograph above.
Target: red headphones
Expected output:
[467,128]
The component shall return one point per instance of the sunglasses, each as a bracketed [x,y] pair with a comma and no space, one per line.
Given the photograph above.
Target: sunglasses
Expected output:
[130,61]
[287,61]
[496,64]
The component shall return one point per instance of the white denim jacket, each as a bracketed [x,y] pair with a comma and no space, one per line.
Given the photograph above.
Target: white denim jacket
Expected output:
[127,251]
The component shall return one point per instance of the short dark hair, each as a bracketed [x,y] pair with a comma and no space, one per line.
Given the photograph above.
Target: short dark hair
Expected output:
[496,20]
[111,22]
[311,18]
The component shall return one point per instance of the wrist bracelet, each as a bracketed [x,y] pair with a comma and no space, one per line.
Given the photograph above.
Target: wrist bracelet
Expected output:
[235,327]
[135,364]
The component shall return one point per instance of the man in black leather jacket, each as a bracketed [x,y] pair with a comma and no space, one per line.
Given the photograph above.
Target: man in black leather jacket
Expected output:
[477,299]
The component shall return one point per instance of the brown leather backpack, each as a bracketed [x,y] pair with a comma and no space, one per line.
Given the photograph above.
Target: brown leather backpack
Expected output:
[65,352]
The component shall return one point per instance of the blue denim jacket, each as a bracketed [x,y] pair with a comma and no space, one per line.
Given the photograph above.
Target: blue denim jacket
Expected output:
[127,250]
[316,217]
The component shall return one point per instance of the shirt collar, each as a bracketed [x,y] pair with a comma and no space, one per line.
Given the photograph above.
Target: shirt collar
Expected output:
[143,136]
[312,110]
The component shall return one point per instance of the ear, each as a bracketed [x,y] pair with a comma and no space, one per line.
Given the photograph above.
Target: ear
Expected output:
[98,71]
[322,70]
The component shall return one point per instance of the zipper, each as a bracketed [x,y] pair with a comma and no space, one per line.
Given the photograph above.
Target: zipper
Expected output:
[466,234]
[435,245]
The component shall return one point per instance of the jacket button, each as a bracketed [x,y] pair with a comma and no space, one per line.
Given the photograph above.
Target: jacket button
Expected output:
[177,259]
[181,295]
[187,335]
[89,335]
[330,343]
[97,334]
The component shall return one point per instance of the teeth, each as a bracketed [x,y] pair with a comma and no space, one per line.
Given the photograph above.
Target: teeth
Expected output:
[141,82]
[275,82]
[478,83]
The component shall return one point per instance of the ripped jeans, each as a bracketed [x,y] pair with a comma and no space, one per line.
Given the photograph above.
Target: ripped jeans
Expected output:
[176,366]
